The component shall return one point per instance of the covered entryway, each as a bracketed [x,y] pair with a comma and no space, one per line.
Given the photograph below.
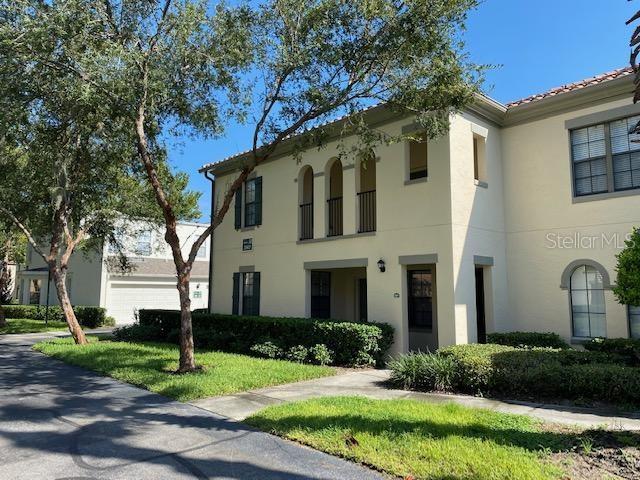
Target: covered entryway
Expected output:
[339,293]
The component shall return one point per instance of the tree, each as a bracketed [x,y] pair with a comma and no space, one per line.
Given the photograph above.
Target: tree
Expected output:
[295,64]
[627,289]
[634,43]
[65,154]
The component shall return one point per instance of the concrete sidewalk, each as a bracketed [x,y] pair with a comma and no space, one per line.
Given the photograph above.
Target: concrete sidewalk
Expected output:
[370,383]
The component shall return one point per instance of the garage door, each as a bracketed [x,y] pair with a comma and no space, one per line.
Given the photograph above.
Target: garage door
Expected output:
[123,300]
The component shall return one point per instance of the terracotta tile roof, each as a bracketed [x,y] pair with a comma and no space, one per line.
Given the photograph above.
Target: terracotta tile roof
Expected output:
[587,82]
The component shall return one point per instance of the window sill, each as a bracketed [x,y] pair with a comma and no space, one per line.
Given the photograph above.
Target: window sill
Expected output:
[248,229]
[605,195]
[337,237]
[480,183]
[416,180]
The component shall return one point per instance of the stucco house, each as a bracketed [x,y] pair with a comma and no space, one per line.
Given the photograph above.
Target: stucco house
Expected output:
[93,278]
[510,222]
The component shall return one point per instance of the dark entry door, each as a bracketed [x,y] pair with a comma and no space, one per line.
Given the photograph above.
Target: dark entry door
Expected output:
[480,313]
[362,299]
[420,286]
[320,294]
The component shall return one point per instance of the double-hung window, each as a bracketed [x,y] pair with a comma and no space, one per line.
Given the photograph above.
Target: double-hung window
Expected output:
[605,157]
[248,204]
[143,243]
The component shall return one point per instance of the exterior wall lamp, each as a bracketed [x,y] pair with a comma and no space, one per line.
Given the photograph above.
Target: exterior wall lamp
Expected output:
[382,266]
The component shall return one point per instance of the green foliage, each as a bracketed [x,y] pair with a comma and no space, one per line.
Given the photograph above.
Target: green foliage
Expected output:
[321,355]
[90,317]
[627,348]
[351,343]
[627,288]
[413,439]
[528,339]
[297,353]
[423,372]
[536,373]
[267,349]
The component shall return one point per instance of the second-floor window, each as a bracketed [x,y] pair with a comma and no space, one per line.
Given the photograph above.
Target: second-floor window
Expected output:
[248,204]
[143,243]
[418,152]
[606,157]
[202,251]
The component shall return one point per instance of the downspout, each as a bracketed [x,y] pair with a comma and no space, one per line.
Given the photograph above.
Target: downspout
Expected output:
[212,179]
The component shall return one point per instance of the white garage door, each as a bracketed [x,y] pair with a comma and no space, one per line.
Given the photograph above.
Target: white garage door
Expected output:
[124,299]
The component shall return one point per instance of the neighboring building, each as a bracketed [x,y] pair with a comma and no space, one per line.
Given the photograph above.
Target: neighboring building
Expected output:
[452,238]
[94,280]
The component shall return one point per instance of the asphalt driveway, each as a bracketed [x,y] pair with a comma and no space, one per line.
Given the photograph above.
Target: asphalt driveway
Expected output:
[62,422]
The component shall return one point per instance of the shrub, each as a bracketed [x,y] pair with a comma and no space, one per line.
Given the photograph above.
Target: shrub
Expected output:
[137,333]
[351,343]
[267,349]
[90,317]
[627,348]
[544,373]
[320,354]
[423,371]
[528,339]
[297,353]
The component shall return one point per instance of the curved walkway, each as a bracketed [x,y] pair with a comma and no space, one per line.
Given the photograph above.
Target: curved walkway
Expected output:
[62,422]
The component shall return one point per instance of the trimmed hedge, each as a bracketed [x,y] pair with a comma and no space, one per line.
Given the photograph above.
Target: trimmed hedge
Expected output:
[90,317]
[352,343]
[533,373]
[627,348]
[528,339]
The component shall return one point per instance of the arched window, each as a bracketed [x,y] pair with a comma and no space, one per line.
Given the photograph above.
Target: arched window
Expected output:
[305,183]
[334,199]
[588,316]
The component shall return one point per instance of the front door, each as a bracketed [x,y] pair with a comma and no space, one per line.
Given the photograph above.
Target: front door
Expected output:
[420,301]
[320,294]
[480,311]
[362,299]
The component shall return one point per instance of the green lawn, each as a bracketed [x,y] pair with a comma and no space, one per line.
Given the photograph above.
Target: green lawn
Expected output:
[27,325]
[150,365]
[412,439]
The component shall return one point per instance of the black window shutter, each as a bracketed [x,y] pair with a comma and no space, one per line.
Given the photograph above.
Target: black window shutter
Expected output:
[236,294]
[238,207]
[259,201]
[256,293]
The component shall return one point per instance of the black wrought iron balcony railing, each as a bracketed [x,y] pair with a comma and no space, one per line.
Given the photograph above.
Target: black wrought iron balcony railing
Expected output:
[306,221]
[367,209]
[335,216]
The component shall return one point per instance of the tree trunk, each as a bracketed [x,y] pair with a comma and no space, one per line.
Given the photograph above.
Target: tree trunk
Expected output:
[59,278]
[187,358]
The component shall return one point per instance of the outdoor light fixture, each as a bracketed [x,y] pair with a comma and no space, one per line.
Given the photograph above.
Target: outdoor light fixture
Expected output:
[381,265]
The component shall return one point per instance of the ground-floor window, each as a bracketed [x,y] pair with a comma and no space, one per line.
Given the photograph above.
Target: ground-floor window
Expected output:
[587,302]
[246,293]
[634,321]
[320,294]
[420,300]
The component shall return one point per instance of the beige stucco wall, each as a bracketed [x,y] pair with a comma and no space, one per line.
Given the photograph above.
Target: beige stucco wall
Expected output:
[539,209]
[412,219]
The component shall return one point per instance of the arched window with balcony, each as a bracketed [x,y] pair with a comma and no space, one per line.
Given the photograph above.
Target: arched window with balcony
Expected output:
[334,197]
[305,195]
[366,192]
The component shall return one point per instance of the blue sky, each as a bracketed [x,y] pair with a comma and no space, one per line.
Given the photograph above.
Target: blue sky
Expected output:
[536,45]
